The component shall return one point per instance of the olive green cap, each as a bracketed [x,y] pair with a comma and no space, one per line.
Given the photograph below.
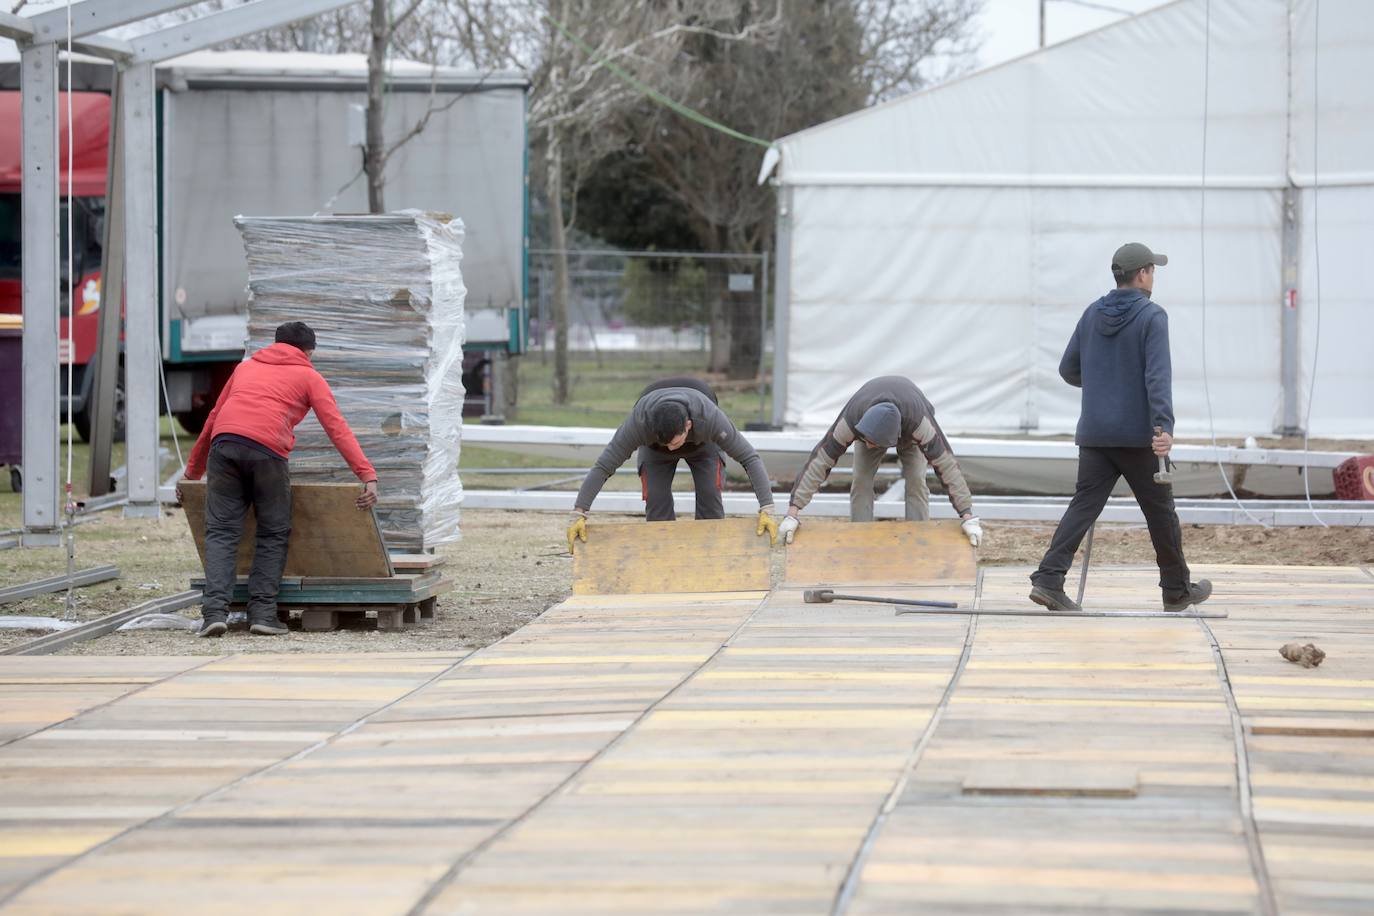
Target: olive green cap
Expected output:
[1133,256]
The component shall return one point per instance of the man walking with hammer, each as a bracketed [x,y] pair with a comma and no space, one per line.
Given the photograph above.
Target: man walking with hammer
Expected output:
[677,419]
[1119,356]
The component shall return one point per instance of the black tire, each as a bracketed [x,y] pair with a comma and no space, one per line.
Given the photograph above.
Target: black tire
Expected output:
[193,421]
[82,418]
[16,480]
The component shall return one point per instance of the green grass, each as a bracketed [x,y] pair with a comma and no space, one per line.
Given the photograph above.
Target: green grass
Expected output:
[11,512]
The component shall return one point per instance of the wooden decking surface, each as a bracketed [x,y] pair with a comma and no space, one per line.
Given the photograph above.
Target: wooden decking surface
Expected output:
[736,752]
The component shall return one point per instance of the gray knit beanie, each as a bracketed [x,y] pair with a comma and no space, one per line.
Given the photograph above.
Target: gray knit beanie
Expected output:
[881,424]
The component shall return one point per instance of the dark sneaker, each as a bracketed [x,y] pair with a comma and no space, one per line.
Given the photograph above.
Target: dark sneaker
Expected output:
[1053,598]
[1198,592]
[267,626]
[212,626]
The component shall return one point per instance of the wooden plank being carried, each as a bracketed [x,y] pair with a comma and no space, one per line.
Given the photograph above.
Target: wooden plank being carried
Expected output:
[833,552]
[330,536]
[723,555]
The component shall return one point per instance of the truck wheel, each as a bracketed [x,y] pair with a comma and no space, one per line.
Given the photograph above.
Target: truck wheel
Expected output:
[82,418]
[16,480]
[193,421]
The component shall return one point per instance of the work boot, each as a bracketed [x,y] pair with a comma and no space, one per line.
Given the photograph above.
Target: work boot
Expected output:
[1197,593]
[1053,598]
[212,624]
[267,625]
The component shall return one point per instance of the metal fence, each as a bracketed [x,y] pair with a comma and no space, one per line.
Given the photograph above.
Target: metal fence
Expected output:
[695,312]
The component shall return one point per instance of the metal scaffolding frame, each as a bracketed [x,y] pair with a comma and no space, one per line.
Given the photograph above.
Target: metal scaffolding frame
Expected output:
[41,38]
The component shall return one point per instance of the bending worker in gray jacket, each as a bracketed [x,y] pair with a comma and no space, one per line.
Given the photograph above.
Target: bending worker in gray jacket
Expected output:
[1119,356]
[677,419]
[887,411]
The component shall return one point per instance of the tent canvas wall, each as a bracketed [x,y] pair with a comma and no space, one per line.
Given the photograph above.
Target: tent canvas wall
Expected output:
[955,235]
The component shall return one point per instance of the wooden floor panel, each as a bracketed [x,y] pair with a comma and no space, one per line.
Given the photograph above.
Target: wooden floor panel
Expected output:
[737,752]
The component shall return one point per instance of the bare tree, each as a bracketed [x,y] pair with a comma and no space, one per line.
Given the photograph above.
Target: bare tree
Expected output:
[589,62]
[823,60]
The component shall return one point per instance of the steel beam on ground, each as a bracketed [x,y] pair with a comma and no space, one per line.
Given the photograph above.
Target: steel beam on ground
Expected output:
[58,583]
[228,25]
[105,365]
[1277,512]
[92,16]
[41,270]
[142,354]
[56,642]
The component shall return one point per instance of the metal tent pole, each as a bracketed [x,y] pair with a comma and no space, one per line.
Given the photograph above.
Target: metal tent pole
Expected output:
[41,271]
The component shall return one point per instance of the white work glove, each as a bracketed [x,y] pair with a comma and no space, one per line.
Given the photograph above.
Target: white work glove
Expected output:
[973,530]
[787,530]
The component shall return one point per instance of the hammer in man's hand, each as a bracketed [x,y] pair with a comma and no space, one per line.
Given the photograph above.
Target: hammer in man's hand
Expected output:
[1162,476]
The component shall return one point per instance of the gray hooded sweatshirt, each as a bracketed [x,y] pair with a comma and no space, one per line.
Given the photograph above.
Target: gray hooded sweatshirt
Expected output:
[917,425]
[709,424]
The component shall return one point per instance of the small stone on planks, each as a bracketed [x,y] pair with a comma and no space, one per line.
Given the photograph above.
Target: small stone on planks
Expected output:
[1309,656]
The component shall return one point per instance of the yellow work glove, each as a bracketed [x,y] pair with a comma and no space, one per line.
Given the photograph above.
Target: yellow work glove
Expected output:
[767,523]
[578,529]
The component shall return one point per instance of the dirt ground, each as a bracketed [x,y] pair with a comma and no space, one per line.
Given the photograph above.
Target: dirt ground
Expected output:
[511,566]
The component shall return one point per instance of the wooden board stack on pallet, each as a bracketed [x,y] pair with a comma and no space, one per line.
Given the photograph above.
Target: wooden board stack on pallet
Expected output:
[338,572]
[385,296]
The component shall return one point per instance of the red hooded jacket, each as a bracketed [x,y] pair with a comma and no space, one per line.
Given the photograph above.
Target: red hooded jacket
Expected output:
[265,398]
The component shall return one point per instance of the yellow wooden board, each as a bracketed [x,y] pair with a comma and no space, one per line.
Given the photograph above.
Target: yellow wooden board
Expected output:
[725,752]
[330,536]
[833,552]
[1002,777]
[620,558]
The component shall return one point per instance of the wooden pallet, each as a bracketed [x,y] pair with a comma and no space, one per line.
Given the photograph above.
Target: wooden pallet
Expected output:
[333,603]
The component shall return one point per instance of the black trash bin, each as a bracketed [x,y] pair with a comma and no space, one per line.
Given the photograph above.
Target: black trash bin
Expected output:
[11,398]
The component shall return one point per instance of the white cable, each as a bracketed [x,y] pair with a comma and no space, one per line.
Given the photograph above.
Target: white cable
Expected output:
[72,280]
[1317,262]
[172,420]
[1202,252]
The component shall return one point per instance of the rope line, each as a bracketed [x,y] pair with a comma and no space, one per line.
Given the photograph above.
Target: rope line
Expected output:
[1202,254]
[1316,261]
[654,94]
[72,282]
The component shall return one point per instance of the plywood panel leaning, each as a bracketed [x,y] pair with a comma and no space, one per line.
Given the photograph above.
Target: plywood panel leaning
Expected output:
[330,536]
[386,296]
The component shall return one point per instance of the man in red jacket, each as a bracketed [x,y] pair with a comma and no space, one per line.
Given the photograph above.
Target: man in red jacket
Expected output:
[245,443]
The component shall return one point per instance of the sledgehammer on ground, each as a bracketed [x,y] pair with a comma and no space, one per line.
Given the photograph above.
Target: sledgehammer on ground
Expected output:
[825,596]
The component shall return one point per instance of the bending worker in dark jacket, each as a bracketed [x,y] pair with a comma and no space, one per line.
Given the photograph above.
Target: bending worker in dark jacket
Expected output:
[887,411]
[245,443]
[676,419]
[1119,356]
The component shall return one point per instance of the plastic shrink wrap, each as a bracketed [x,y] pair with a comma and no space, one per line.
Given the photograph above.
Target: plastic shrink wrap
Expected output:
[384,295]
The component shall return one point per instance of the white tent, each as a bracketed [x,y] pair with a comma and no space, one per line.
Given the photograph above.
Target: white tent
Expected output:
[955,235]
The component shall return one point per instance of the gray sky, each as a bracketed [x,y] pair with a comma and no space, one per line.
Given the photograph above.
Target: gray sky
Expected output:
[1011,28]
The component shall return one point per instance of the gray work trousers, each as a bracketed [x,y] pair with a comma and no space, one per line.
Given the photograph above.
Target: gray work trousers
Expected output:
[656,469]
[240,477]
[866,461]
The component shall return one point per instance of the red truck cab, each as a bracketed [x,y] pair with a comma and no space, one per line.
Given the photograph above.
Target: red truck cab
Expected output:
[90,142]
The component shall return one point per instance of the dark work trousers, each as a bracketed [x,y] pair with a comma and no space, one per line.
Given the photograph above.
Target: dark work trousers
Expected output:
[1098,471]
[241,477]
[656,468]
